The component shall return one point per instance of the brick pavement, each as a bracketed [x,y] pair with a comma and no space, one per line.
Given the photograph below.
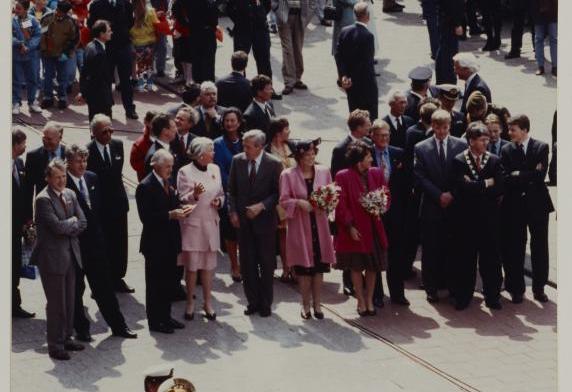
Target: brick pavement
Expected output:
[514,349]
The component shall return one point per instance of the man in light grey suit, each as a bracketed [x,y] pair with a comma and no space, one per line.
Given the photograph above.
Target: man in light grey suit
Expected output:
[253,195]
[59,221]
[434,177]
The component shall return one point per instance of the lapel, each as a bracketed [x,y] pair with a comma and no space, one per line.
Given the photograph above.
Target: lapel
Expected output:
[434,154]
[97,155]
[261,169]
[56,203]
[302,182]
[449,148]
[530,153]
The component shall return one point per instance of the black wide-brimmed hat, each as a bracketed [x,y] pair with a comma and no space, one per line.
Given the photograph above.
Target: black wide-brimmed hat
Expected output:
[299,147]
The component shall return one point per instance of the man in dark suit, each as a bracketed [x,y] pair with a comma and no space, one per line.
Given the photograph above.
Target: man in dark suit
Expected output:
[355,54]
[119,13]
[448,95]
[92,247]
[96,75]
[59,221]
[159,210]
[37,160]
[106,160]
[420,89]
[496,143]
[398,122]
[164,130]
[260,111]
[450,24]
[526,204]
[433,175]
[253,196]
[209,124]
[479,183]
[185,119]
[19,219]
[203,21]
[359,125]
[467,67]
[234,89]
[391,160]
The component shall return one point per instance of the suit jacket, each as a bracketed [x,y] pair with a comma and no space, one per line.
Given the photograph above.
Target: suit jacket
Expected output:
[96,75]
[234,89]
[458,123]
[339,154]
[180,150]
[203,18]
[451,14]
[398,136]
[528,185]
[398,179]
[282,10]
[413,100]
[502,144]
[247,15]
[57,231]
[477,84]
[200,129]
[35,168]
[264,190]
[20,211]
[148,168]
[113,195]
[354,57]
[160,235]
[121,18]
[256,118]
[431,178]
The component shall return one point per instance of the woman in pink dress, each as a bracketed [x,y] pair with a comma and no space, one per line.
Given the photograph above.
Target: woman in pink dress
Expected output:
[361,242]
[308,238]
[199,183]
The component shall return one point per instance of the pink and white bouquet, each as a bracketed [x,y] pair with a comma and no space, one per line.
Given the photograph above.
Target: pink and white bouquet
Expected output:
[326,198]
[29,234]
[376,203]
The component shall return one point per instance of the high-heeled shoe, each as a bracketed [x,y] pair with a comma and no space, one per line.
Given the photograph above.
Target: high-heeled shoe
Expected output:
[317,314]
[305,315]
[209,316]
[362,313]
[371,312]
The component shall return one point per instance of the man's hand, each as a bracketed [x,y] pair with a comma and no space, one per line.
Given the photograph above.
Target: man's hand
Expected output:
[539,167]
[253,210]
[177,214]
[489,182]
[515,173]
[459,31]
[355,234]
[346,82]
[234,221]
[24,49]
[445,199]
[467,178]
[199,189]
[304,204]
[211,112]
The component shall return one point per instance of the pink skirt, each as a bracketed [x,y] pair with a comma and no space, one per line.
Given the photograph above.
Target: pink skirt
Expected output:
[197,260]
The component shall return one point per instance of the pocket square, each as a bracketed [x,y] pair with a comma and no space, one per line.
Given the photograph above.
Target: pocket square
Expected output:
[118,157]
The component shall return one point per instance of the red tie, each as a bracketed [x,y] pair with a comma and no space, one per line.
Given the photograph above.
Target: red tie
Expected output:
[478,163]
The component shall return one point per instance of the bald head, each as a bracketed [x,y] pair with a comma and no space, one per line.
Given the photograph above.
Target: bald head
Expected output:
[53,133]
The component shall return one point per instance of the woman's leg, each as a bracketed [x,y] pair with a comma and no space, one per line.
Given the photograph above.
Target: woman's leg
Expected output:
[357,280]
[232,251]
[305,283]
[191,281]
[369,287]
[207,283]
[282,238]
[317,292]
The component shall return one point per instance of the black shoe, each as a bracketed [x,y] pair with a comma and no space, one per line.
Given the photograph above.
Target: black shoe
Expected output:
[300,85]
[60,355]
[122,287]
[362,313]
[493,304]
[349,291]
[432,298]
[287,90]
[541,297]
[319,315]
[392,9]
[162,328]
[489,47]
[412,274]
[476,31]
[378,302]
[462,305]
[276,96]
[62,105]
[371,312]
[72,346]
[47,103]
[512,55]
[237,279]
[175,324]
[400,301]
[21,313]
[265,313]
[189,316]
[209,316]
[250,310]
[125,333]
[305,315]
[132,115]
[516,298]
[84,337]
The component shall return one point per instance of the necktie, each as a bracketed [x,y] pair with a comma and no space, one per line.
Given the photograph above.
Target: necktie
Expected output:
[252,175]
[183,144]
[386,168]
[83,191]
[166,186]
[51,155]
[268,112]
[398,121]
[15,173]
[106,156]
[520,149]
[63,203]
[441,153]
[478,163]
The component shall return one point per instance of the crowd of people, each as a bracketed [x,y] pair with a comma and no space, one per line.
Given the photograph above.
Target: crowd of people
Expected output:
[220,171]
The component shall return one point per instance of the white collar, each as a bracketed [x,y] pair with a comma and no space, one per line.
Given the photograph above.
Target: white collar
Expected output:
[165,145]
[262,105]
[525,143]
[361,23]
[101,147]
[394,119]
[76,179]
[428,130]
[58,194]
[419,95]
[259,158]
[444,140]
[354,139]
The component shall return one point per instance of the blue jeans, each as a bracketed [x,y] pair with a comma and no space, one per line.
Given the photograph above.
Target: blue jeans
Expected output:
[75,62]
[58,69]
[24,75]
[541,31]
[160,54]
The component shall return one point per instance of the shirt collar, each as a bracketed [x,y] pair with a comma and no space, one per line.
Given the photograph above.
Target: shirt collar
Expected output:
[158,178]
[58,194]
[394,120]
[101,43]
[361,23]
[262,105]
[444,140]
[163,144]
[259,158]
[101,147]
[525,143]
[418,95]
[354,139]
[75,179]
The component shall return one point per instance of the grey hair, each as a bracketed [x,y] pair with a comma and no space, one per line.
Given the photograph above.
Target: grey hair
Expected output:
[55,163]
[467,60]
[191,112]
[99,118]
[361,9]
[394,94]
[208,85]
[75,150]
[53,126]
[256,134]
[160,156]
[379,124]
[199,146]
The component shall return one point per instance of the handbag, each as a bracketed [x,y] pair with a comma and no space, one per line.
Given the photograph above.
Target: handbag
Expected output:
[332,13]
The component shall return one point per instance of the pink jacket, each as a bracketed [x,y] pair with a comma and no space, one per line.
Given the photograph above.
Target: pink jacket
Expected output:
[350,212]
[299,233]
[200,231]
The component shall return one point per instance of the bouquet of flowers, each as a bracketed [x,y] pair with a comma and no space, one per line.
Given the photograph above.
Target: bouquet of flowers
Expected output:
[326,198]
[29,234]
[376,202]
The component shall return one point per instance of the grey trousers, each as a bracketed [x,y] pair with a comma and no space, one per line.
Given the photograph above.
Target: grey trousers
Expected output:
[292,40]
[60,295]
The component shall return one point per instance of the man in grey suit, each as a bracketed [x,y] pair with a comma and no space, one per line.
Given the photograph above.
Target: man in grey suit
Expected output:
[253,195]
[59,221]
[433,176]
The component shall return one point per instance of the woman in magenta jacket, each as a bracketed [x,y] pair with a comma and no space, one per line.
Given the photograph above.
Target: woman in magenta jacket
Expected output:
[308,238]
[360,243]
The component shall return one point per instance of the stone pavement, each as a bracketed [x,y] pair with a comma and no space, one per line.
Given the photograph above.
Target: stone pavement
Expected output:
[423,348]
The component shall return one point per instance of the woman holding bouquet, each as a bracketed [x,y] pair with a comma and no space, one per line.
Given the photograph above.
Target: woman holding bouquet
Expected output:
[308,238]
[361,242]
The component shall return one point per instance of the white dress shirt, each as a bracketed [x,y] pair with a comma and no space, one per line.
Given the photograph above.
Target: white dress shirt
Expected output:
[102,148]
[437,142]
[257,163]
[76,181]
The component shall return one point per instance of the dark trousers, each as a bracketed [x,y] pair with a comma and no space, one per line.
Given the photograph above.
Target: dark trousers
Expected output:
[204,59]
[257,265]
[471,14]
[115,235]
[121,58]
[259,40]
[480,244]
[515,231]
[364,96]
[437,242]
[431,16]
[519,10]
[412,231]
[16,266]
[492,20]
[160,279]
[94,107]
[96,272]
[448,47]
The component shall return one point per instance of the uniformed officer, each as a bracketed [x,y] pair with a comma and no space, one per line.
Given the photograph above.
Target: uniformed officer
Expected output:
[448,94]
[420,88]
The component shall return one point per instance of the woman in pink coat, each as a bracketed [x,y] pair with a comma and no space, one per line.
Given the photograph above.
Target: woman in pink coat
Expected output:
[308,238]
[199,183]
[360,243]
